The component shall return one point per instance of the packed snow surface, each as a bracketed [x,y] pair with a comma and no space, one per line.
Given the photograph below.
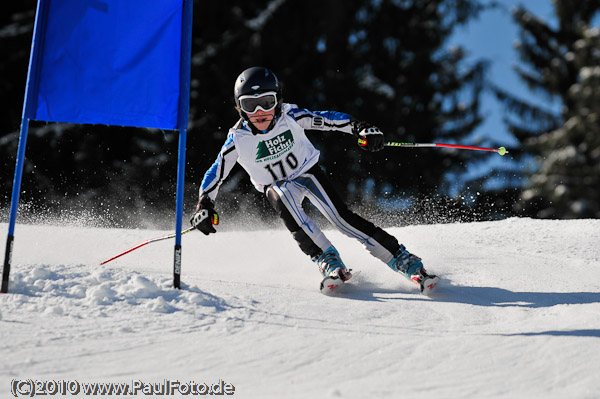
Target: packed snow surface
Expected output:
[517,314]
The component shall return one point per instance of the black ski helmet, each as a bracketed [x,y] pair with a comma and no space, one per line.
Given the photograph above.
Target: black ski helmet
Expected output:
[255,80]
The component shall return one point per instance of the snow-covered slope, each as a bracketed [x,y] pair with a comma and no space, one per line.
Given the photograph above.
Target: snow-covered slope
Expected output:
[516,316]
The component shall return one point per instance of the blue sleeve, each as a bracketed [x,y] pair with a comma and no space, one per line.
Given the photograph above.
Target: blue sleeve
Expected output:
[322,120]
[214,176]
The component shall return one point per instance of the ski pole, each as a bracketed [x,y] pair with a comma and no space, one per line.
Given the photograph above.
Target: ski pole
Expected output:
[500,150]
[147,242]
[363,142]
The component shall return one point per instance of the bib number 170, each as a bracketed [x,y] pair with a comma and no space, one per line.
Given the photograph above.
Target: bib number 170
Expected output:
[290,160]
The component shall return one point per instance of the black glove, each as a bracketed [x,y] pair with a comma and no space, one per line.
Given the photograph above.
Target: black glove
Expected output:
[370,138]
[205,216]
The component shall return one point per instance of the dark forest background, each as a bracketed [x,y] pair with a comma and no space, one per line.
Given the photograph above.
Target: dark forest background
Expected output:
[387,62]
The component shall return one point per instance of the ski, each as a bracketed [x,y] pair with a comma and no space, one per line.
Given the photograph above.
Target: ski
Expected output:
[428,284]
[331,285]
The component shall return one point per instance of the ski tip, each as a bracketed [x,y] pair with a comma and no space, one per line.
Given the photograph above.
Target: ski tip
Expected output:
[429,284]
[330,285]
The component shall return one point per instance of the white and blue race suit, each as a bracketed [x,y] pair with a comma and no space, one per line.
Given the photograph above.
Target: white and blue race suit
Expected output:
[282,163]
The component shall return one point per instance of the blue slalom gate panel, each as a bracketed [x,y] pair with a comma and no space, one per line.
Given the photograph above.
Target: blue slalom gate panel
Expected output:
[113,62]
[110,62]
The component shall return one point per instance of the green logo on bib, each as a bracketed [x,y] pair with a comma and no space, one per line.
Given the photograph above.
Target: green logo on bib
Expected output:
[271,149]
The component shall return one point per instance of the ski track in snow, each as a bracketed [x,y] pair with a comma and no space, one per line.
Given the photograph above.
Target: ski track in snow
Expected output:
[517,314]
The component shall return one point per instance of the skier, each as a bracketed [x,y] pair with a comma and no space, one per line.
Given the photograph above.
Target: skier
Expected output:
[269,142]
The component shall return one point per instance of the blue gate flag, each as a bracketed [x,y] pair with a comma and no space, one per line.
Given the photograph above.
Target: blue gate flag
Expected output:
[112,62]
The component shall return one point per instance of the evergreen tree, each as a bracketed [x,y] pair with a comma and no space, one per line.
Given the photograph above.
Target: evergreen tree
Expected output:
[16,28]
[560,62]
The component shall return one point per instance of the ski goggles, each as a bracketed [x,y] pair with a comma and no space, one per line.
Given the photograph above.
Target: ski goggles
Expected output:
[265,101]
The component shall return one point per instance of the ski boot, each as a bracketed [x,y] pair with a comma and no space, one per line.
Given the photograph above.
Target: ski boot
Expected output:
[333,269]
[411,266]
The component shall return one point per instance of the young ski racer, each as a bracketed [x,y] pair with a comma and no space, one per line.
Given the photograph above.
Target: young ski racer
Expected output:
[270,143]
